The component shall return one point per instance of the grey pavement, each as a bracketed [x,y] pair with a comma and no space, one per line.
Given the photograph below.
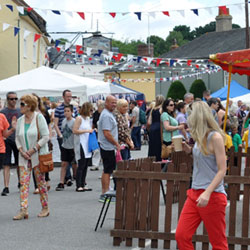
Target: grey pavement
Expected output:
[72,219]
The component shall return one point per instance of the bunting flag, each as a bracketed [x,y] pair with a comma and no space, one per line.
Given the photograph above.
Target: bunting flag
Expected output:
[58,49]
[166,13]
[57,42]
[20,9]
[26,33]
[70,13]
[10,7]
[81,14]
[223,9]
[152,14]
[57,12]
[89,51]
[138,15]
[36,37]
[209,10]
[79,49]
[158,60]
[181,12]
[5,26]
[113,14]
[16,30]
[99,53]
[195,12]
[29,9]
[139,59]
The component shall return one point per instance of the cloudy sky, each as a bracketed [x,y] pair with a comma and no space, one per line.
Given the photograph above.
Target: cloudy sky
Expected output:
[128,26]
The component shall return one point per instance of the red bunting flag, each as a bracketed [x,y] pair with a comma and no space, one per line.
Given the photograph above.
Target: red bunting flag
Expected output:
[113,14]
[37,36]
[166,13]
[189,62]
[223,9]
[197,66]
[158,60]
[58,49]
[81,14]
[145,59]
[67,59]
[29,9]
[90,59]
[118,57]
[79,49]
[110,63]
[167,63]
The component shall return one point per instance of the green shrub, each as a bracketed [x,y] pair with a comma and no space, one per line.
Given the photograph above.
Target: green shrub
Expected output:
[176,90]
[197,88]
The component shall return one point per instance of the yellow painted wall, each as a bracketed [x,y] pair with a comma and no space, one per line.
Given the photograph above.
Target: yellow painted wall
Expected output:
[9,43]
[145,87]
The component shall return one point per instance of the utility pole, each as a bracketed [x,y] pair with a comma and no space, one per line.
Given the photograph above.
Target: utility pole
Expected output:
[247,36]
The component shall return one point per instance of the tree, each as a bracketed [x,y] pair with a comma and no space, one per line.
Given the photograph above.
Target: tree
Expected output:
[197,88]
[172,36]
[63,41]
[176,90]
[185,31]
[159,45]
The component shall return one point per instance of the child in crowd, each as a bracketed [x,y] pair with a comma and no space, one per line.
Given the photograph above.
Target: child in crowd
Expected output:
[67,152]
[245,140]
[237,142]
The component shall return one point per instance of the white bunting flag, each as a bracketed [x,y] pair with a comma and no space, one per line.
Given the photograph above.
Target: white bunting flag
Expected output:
[125,13]
[45,11]
[209,10]
[152,14]
[239,6]
[70,13]
[88,52]
[25,33]
[110,55]
[20,9]
[67,45]
[181,12]
[5,26]
[130,57]
[150,59]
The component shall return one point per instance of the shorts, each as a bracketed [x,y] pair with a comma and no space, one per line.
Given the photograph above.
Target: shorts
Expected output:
[109,161]
[1,160]
[10,147]
[67,155]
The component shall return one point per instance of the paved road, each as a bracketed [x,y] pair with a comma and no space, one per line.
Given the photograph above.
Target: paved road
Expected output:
[71,223]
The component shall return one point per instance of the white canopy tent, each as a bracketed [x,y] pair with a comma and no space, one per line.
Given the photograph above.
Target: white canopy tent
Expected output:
[244,98]
[49,82]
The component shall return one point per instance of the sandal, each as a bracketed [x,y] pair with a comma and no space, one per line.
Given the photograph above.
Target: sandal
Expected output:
[80,189]
[87,189]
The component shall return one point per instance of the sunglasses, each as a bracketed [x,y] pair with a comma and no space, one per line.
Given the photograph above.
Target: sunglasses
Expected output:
[13,99]
[171,105]
[22,104]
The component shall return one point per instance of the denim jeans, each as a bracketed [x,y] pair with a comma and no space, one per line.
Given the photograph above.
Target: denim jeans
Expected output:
[125,153]
[136,136]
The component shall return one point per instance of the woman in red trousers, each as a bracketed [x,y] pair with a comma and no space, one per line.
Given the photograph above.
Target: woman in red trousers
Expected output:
[206,200]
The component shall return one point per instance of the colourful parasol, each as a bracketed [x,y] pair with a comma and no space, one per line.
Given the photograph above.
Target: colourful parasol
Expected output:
[233,62]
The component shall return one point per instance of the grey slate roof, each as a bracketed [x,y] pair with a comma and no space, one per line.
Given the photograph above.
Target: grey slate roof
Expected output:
[210,43]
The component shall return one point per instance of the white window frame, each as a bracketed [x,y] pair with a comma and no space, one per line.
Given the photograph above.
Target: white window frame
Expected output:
[25,48]
[34,52]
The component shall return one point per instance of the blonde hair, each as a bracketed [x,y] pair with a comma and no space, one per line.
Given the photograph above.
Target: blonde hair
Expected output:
[159,100]
[201,122]
[121,102]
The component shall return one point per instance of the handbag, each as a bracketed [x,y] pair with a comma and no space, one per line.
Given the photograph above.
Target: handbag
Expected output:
[118,156]
[166,151]
[93,143]
[46,163]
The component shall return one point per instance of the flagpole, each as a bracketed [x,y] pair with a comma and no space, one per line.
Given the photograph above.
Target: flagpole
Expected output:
[148,37]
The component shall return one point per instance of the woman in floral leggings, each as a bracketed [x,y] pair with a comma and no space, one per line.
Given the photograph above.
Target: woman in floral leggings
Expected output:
[29,146]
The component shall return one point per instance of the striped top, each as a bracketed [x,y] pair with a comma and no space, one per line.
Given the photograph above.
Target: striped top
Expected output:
[59,113]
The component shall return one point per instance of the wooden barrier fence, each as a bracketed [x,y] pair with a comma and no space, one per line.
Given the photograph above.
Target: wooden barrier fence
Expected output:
[138,202]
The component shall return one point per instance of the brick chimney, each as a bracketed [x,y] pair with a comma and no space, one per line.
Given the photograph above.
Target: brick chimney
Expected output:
[143,50]
[223,21]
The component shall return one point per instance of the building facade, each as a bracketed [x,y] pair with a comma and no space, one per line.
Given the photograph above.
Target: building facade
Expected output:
[18,53]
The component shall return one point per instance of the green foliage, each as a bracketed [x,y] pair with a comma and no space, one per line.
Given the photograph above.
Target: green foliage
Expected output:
[159,45]
[63,41]
[197,88]
[185,31]
[172,36]
[127,47]
[176,90]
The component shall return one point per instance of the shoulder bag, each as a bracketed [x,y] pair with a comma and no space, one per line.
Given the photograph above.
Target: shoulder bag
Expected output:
[45,161]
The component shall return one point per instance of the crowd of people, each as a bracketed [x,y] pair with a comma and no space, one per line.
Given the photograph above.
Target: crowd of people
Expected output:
[27,131]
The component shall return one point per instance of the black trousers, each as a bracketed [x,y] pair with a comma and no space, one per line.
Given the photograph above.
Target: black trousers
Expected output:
[82,168]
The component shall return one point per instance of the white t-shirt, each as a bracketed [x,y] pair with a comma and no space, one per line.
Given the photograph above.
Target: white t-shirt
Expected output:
[84,138]
[136,113]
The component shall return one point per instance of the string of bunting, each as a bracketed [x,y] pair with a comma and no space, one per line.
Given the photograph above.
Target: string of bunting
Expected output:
[109,57]
[139,14]
[164,79]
